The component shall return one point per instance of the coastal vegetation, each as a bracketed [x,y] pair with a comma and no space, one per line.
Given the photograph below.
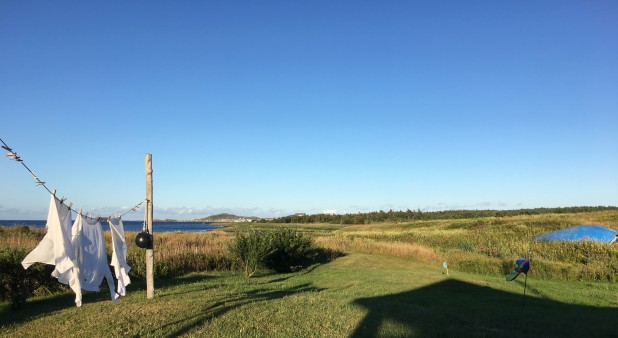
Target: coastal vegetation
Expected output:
[417,215]
[387,279]
[226,218]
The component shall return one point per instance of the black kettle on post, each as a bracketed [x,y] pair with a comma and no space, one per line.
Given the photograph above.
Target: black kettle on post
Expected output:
[144,239]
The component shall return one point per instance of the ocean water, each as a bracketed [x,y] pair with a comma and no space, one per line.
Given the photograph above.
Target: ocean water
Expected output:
[133,225]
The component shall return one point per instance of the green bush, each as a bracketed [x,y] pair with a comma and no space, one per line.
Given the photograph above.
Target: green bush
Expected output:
[290,251]
[283,250]
[250,248]
[17,283]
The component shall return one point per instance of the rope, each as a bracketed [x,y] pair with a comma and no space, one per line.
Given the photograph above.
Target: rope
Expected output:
[12,155]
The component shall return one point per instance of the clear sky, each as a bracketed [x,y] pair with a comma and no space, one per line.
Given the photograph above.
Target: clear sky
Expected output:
[268,108]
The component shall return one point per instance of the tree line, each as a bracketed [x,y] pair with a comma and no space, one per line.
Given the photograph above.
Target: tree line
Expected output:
[410,215]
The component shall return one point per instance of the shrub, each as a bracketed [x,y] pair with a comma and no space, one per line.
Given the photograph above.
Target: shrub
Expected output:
[17,283]
[250,248]
[290,251]
[283,250]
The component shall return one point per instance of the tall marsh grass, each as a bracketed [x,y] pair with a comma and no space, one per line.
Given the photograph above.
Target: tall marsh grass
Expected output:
[20,237]
[180,253]
[491,245]
[381,247]
[175,253]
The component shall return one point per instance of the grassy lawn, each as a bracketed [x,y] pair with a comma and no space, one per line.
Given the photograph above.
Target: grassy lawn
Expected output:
[357,295]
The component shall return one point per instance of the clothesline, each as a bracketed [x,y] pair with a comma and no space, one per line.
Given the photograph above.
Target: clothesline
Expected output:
[12,155]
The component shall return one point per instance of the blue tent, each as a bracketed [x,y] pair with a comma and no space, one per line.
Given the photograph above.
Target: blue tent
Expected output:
[592,233]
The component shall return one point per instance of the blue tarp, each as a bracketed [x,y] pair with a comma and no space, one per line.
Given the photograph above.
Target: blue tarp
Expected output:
[592,233]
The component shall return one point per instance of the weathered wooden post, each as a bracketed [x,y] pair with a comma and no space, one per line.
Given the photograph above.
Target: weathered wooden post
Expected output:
[149,213]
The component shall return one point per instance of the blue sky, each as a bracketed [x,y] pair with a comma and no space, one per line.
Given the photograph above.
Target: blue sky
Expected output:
[274,107]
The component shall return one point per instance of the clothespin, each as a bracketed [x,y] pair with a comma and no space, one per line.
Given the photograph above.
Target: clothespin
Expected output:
[14,157]
[54,192]
[39,182]
[7,148]
[70,205]
[63,199]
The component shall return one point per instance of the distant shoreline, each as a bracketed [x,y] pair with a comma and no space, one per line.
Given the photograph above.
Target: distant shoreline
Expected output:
[131,226]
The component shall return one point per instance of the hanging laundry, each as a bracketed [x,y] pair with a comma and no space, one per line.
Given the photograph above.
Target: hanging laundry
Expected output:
[119,255]
[91,255]
[56,248]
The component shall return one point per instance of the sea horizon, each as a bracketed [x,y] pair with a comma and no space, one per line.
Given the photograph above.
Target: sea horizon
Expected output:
[136,226]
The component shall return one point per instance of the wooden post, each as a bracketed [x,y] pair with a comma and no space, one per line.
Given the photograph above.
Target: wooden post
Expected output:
[149,213]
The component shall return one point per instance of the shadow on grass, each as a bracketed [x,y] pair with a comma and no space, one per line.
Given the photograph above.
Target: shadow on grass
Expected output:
[195,282]
[226,304]
[319,256]
[35,307]
[293,274]
[140,284]
[324,255]
[456,308]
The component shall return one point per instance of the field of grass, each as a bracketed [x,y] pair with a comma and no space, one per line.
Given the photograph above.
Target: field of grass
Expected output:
[490,245]
[389,283]
[356,295]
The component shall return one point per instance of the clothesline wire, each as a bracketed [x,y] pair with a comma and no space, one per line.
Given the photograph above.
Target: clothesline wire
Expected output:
[12,155]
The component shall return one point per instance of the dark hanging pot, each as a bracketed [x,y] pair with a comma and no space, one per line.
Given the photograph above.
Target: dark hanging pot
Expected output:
[144,240]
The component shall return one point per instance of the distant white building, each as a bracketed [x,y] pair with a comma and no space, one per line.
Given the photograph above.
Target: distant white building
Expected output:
[329,212]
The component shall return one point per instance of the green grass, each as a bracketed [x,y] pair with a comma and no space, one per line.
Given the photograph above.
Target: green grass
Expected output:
[356,295]
[490,245]
[390,283]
